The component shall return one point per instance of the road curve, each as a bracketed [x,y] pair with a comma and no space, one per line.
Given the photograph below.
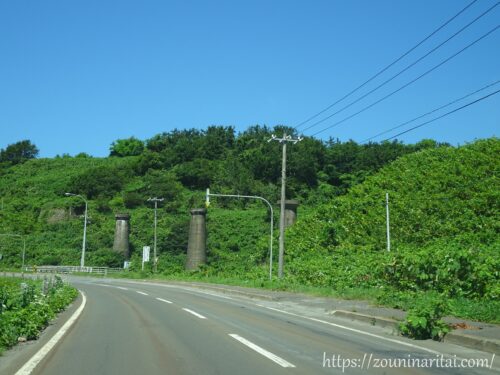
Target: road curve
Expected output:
[134,328]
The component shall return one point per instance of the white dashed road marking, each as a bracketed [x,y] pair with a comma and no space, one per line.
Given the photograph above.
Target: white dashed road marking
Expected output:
[194,313]
[273,357]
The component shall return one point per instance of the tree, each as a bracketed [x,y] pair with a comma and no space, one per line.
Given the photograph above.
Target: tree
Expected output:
[18,152]
[126,147]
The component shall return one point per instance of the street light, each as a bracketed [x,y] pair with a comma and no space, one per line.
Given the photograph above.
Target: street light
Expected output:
[82,261]
[156,200]
[24,247]
[207,203]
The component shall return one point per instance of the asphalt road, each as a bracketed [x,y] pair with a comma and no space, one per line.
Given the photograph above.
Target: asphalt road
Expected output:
[134,328]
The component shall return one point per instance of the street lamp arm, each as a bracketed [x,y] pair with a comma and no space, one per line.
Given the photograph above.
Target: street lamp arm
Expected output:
[272,221]
[242,196]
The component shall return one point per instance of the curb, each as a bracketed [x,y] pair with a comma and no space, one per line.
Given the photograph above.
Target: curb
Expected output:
[454,337]
[235,291]
[473,342]
[370,319]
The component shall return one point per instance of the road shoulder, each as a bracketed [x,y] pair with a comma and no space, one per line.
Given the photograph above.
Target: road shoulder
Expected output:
[13,359]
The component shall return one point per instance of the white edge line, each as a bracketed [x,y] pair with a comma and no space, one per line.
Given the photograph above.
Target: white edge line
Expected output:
[163,300]
[273,357]
[355,330]
[194,313]
[144,294]
[40,355]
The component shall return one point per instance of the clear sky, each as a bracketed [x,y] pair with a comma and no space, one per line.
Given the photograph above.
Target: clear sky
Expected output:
[77,75]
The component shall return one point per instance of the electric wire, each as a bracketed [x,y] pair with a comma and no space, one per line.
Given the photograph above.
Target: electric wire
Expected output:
[410,82]
[444,115]
[388,66]
[430,112]
[403,70]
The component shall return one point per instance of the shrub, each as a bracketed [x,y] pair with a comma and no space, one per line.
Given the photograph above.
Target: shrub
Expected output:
[424,320]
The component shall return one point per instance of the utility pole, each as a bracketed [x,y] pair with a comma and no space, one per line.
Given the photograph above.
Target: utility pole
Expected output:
[387,221]
[155,260]
[283,140]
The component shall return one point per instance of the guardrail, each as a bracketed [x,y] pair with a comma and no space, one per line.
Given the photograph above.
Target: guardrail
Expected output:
[75,269]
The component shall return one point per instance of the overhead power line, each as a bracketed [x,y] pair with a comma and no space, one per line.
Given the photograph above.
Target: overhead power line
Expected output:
[403,70]
[446,114]
[388,66]
[409,83]
[430,112]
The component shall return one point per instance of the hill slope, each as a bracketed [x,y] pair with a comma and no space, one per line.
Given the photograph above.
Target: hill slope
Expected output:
[444,216]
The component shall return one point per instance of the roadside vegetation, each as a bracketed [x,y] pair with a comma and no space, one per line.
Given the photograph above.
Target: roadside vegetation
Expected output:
[443,203]
[27,306]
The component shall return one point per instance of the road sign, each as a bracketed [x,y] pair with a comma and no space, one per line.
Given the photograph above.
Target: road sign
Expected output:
[145,254]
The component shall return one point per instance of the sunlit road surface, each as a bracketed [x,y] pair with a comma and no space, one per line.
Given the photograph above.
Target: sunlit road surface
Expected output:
[137,328]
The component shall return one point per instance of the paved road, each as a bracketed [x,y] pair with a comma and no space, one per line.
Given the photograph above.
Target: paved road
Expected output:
[134,328]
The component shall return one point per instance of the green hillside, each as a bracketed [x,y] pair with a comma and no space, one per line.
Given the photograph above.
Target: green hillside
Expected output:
[443,211]
[444,221]
[177,166]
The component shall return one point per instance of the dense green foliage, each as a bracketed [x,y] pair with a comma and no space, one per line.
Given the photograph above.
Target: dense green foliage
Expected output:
[17,153]
[127,147]
[443,208]
[424,320]
[444,226]
[27,306]
[177,166]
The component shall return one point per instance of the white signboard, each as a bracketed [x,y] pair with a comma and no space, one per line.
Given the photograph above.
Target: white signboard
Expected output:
[145,254]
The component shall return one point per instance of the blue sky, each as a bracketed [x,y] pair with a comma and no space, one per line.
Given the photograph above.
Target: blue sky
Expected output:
[77,75]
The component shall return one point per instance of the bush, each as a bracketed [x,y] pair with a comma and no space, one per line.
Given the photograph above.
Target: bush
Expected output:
[25,310]
[424,320]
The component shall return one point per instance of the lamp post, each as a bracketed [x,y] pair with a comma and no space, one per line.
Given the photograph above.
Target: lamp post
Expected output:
[24,247]
[155,260]
[82,260]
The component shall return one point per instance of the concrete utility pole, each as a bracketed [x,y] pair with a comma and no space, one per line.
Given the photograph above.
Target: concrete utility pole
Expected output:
[281,251]
[387,221]
[82,260]
[155,260]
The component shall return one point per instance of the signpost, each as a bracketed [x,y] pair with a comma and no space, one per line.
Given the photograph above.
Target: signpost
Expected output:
[145,255]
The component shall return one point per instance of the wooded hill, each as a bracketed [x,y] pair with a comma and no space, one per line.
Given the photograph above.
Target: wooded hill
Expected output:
[443,208]
[177,166]
[444,216]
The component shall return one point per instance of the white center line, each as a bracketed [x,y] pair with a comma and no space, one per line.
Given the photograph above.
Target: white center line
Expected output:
[144,294]
[122,288]
[163,300]
[273,357]
[194,313]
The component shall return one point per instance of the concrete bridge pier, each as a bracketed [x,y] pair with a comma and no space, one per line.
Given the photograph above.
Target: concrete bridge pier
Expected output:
[122,229]
[196,251]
